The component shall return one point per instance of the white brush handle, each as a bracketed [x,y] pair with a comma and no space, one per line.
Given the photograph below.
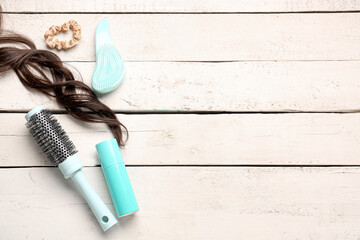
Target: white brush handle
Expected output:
[71,168]
[100,210]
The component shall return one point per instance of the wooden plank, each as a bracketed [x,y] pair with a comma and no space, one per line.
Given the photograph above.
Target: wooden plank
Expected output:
[179,6]
[207,37]
[189,203]
[236,87]
[235,139]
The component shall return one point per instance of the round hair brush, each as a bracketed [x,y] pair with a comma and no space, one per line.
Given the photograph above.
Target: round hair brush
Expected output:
[60,150]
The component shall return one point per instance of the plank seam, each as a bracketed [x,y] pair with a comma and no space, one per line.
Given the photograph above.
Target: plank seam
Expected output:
[207,166]
[174,112]
[188,13]
[220,61]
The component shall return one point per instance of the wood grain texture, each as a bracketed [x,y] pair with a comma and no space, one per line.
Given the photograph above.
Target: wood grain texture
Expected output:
[235,139]
[330,86]
[265,56]
[188,203]
[179,6]
[207,37]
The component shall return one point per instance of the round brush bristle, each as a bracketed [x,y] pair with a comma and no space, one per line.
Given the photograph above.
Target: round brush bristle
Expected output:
[50,136]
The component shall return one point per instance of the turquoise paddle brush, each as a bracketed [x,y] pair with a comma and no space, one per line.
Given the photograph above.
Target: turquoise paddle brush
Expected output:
[110,68]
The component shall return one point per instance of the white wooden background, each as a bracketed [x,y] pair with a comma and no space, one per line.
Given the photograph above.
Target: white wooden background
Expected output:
[243,118]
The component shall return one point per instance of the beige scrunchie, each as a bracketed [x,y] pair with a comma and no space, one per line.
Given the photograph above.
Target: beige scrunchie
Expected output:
[65,44]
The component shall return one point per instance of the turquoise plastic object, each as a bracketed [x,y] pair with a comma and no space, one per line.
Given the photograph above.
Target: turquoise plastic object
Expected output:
[117,178]
[71,168]
[110,67]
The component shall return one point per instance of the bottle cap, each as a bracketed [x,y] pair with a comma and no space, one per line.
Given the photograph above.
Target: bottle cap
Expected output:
[117,178]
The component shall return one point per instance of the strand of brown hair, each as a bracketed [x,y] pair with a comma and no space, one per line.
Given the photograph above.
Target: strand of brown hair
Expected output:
[31,65]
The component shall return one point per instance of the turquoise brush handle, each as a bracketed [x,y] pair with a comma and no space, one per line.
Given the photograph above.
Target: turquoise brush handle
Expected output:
[71,168]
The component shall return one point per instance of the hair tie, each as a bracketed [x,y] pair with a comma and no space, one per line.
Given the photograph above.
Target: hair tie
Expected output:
[65,44]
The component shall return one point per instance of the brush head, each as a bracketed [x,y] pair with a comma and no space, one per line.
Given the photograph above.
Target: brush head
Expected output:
[110,67]
[50,136]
